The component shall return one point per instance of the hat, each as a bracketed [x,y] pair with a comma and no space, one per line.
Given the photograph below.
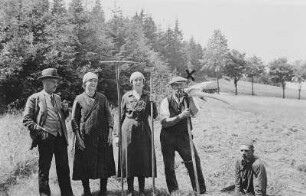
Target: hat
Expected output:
[248,143]
[49,73]
[135,75]
[88,76]
[177,79]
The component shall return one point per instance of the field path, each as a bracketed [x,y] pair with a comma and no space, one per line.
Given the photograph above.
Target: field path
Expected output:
[277,127]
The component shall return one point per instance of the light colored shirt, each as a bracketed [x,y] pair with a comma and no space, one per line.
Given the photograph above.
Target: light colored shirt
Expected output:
[164,108]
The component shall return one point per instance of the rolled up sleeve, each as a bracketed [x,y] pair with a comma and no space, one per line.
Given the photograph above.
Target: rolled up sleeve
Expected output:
[164,109]
[193,107]
[259,179]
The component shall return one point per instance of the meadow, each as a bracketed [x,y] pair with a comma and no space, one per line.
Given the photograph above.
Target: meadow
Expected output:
[276,125]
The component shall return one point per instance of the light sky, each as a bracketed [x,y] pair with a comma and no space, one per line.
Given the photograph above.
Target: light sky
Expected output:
[267,28]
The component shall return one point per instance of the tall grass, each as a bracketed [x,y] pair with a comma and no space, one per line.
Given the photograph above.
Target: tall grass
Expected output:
[16,158]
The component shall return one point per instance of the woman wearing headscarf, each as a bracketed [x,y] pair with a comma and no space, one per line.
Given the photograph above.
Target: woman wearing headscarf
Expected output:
[136,134]
[92,124]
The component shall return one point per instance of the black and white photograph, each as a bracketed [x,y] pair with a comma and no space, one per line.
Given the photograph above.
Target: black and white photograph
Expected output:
[152,97]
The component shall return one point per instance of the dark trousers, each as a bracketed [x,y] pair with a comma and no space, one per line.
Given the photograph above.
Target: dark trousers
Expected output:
[46,148]
[180,143]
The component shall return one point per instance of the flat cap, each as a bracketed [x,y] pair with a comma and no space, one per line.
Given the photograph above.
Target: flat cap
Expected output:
[247,142]
[177,79]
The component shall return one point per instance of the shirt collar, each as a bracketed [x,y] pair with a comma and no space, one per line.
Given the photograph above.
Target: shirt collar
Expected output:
[177,99]
[47,94]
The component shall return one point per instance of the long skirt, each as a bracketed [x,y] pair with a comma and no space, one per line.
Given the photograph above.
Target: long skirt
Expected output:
[136,149]
[96,161]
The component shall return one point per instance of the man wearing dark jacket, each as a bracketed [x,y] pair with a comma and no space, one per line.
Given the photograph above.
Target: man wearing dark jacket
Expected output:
[174,135]
[45,118]
[250,172]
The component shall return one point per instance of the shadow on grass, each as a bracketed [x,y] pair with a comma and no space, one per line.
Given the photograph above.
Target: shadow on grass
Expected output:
[148,192]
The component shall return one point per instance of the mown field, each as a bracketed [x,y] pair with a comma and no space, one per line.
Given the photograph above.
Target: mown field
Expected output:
[276,125]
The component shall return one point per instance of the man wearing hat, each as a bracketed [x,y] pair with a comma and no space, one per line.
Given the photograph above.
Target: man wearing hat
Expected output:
[250,172]
[174,134]
[45,118]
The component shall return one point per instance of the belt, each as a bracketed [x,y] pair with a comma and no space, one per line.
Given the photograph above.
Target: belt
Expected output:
[140,119]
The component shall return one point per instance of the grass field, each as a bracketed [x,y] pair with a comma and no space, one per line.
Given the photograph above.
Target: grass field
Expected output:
[276,125]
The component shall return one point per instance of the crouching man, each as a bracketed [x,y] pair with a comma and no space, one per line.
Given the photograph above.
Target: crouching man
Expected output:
[250,173]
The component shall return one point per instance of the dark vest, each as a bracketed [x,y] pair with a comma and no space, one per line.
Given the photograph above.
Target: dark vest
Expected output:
[175,109]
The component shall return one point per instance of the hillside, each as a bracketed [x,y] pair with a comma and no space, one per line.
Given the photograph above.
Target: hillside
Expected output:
[276,125]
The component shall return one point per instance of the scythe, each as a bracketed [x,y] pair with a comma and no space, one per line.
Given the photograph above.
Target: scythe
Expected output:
[121,156]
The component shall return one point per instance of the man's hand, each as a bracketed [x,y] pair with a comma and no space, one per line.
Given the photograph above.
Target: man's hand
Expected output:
[185,114]
[116,140]
[110,137]
[43,134]
[152,97]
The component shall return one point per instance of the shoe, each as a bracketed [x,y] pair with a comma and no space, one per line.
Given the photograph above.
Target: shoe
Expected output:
[102,193]
[87,193]
[43,194]
[202,192]
[130,193]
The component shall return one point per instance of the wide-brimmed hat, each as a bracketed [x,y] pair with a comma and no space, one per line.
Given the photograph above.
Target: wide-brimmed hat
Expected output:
[177,79]
[49,73]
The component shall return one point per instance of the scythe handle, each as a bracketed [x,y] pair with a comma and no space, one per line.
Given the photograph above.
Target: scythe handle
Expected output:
[152,137]
[119,129]
[192,150]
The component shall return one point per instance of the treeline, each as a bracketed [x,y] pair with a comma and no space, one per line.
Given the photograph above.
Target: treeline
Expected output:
[224,62]
[36,34]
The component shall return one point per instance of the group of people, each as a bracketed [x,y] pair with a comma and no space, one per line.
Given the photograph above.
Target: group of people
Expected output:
[92,124]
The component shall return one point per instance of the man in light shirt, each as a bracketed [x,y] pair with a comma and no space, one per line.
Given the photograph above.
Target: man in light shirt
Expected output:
[44,116]
[174,135]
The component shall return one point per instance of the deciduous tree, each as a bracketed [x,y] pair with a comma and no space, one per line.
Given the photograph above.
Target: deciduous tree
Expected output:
[235,67]
[216,54]
[281,72]
[254,68]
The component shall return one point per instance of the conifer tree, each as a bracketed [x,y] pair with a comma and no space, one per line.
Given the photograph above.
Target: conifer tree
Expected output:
[216,54]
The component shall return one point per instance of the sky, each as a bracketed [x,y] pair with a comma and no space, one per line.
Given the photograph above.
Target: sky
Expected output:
[269,29]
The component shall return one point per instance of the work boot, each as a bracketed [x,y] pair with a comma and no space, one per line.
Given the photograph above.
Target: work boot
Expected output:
[141,193]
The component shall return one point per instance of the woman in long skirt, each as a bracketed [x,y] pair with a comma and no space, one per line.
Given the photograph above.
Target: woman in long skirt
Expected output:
[136,134]
[92,124]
